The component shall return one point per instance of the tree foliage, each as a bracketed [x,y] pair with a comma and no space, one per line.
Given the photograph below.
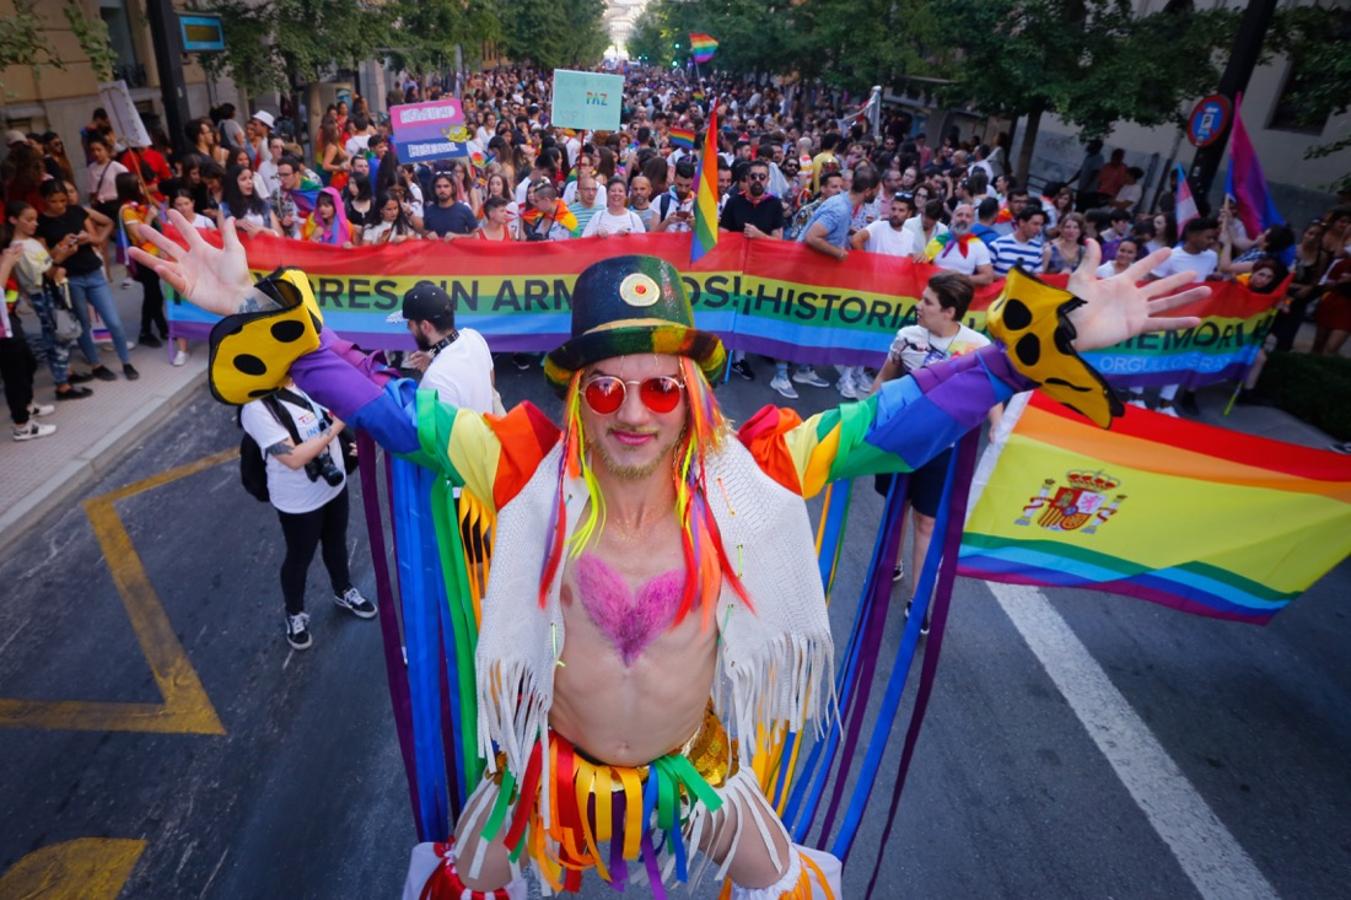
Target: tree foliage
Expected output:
[556,33]
[92,34]
[1316,39]
[1091,62]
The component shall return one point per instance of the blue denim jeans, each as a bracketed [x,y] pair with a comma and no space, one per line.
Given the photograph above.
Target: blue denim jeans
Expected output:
[44,345]
[93,289]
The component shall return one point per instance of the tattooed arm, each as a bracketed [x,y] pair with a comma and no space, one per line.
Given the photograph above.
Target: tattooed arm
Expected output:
[295,456]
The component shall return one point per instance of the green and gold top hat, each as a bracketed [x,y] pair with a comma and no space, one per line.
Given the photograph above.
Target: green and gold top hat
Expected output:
[631,304]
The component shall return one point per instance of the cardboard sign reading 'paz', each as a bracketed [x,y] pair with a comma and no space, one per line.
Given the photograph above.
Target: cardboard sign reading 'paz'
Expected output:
[587,100]
[431,130]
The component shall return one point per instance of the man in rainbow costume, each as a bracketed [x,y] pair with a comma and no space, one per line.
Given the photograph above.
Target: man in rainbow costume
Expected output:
[654,609]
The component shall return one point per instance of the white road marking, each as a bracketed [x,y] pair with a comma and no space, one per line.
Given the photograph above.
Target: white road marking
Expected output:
[1213,860]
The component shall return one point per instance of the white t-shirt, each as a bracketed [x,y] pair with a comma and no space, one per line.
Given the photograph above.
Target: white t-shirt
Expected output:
[882,238]
[200,221]
[1107,270]
[291,490]
[462,373]
[357,143]
[1201,265]
[605,221]
[915,346]
[1130,193]
[950,257]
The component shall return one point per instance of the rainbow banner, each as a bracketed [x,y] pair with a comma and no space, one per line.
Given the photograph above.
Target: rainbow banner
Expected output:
[778,298]
[1204,520]
[703,46]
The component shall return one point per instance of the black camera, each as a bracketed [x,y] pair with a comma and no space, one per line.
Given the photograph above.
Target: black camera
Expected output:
[322,466]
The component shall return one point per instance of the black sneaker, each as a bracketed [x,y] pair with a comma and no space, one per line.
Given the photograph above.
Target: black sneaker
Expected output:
[75,393]
[521,361]
[898,572]
[923,626]
[149,340]
[1186,401]
[81,377]
[298,631]
[352,601]
[742,370]
[103,373]
[130,371]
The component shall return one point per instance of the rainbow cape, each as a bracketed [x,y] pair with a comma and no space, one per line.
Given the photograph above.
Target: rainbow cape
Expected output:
[562,215]
[703,46]
[1202,519]
[706,194]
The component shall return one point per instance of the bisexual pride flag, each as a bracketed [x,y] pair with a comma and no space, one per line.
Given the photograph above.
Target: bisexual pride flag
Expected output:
[1202,519]
[1245,182]
[703,46]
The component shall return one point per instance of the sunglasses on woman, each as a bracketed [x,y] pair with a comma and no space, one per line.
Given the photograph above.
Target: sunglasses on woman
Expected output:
[605,394]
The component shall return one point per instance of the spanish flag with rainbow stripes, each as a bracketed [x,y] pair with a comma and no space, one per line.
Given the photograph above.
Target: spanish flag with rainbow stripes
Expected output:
[1202,519]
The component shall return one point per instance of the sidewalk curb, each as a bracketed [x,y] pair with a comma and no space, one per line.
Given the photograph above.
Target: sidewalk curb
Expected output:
[96,459]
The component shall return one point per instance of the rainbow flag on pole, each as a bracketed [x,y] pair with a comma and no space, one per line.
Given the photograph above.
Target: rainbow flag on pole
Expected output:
[706,193]
[703,46]
[1204,520]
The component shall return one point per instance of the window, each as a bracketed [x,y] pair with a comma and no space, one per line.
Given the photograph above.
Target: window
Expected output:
[128,68]
[1289,115]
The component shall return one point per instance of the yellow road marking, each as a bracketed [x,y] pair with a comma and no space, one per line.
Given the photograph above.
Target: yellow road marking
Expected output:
[186,708]
[82,869]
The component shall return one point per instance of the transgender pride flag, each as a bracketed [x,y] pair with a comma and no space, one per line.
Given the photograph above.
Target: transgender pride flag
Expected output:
[1185,210]
[1245,183]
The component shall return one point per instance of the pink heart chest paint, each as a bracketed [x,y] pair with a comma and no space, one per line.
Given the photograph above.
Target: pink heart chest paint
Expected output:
[629,619]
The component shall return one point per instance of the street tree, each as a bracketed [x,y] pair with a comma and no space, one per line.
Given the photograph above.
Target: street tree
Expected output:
[1316,38]
[1091,62]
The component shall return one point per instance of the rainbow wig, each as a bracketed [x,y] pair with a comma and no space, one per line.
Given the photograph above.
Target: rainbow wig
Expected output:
[706,563]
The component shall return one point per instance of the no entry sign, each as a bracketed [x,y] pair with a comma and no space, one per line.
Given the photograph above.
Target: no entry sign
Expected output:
[1209,120]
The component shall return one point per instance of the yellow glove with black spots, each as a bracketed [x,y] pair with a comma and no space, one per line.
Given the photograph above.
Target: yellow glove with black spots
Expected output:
[252,352]
[1031,318]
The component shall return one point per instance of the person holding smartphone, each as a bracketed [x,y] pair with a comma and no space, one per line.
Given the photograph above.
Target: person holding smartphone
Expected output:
[675,210]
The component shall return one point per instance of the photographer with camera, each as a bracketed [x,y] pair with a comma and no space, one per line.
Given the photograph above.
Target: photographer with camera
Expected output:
[307,485]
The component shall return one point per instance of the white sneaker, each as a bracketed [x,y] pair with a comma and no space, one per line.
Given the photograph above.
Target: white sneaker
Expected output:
[41,409]
[1137,402]
[1167,410]
[863,384]
[32,430]
[298,631]
[181,358]
[846,388]
[807,375]
[784,387]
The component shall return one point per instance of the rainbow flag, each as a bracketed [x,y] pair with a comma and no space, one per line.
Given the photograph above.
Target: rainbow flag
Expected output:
[1204,520]
[706,194]
[682,137]
[703,46]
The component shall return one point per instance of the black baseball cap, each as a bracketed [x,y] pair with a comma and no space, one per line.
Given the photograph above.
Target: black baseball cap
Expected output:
[426,302]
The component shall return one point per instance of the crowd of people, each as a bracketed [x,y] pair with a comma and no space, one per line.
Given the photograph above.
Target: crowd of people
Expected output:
[790,167]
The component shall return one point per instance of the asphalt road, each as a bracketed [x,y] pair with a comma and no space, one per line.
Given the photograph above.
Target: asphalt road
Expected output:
[1078,745]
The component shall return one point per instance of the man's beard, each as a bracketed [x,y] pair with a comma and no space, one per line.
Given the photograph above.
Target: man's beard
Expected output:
[959,228]
[757,189]
[628,472]
[421,340]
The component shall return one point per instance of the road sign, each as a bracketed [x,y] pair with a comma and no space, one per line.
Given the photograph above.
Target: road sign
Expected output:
[1209,120]
[587,100]
[431,130]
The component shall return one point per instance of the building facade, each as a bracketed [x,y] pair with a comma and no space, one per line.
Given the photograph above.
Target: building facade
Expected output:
[46,98]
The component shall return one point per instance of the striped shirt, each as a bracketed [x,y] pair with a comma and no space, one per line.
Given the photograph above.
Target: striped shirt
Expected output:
[1007,252]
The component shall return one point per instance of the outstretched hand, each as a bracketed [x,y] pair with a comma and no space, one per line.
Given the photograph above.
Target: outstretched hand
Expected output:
[1116,309]
[216,279]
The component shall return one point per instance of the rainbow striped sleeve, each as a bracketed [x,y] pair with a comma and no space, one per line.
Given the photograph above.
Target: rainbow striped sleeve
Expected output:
[490,456]
[904,425]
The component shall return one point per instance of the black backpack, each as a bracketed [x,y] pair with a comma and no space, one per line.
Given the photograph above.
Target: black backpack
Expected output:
[252,463]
